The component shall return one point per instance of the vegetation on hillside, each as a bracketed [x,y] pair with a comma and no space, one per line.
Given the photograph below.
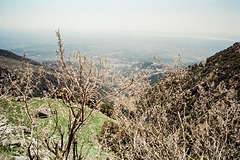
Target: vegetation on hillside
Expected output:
[192,113]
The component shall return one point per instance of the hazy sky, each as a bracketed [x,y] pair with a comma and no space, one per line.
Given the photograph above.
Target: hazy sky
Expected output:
[173,16]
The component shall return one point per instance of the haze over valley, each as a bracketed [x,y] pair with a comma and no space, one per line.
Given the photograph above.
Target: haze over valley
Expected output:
[121,48]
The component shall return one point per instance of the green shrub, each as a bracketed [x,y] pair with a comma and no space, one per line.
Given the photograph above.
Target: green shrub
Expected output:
[109,135]
[107,109]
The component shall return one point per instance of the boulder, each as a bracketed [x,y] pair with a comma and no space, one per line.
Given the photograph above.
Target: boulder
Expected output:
[26,130]
[5,128]
[14,142]
[42,113]
[21,158]
[5,143]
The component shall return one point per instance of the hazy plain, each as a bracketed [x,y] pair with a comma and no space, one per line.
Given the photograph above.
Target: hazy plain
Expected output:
[120,47]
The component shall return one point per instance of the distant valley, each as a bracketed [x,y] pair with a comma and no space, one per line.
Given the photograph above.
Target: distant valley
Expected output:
[127,51]
[122,49]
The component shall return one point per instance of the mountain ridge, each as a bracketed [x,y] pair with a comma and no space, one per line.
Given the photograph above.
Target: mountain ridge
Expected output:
[9,54]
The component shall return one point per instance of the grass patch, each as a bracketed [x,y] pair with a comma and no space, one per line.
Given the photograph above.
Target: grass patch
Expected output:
[14,112]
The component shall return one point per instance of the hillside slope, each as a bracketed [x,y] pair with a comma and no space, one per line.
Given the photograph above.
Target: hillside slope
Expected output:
[223,67]
[192,113]
[11,66]
[194,91]
[11,61]
[220,72]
